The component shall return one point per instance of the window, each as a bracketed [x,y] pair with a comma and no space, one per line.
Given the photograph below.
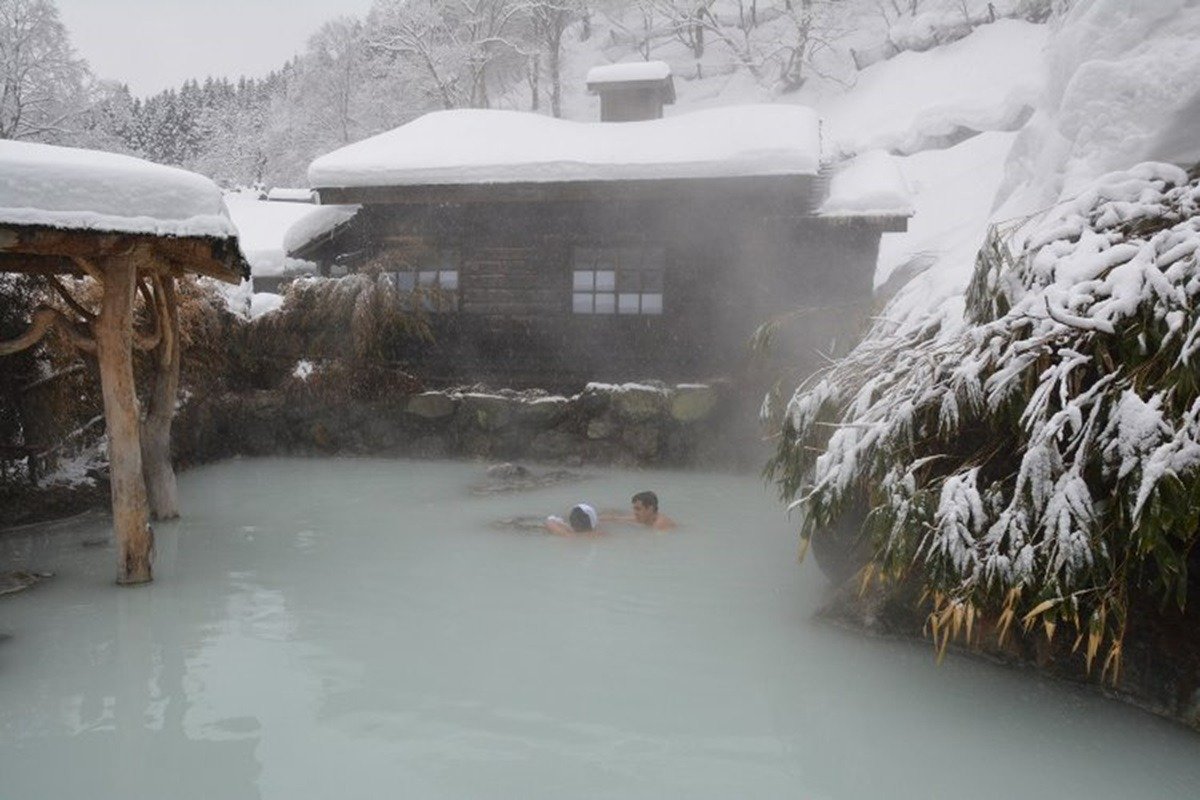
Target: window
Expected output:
[430,274]
[617,280]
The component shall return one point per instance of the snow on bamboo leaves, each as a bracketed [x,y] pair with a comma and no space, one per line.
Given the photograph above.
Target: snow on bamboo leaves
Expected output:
[1042,460]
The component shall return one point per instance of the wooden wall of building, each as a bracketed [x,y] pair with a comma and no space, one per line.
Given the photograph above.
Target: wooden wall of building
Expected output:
[730,267]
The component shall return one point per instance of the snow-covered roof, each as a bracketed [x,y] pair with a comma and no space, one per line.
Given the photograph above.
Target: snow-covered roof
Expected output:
[315,224]
[633,71]
[282,194]
[262,226]
[69,188]
[868,185]
[470,146]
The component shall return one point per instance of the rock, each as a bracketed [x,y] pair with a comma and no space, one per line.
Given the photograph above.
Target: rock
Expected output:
[18,580]
[515,478]
[429,447]
[592,400]
[638,404]
[379,433]
[431,405]
[553,445]
[488,412]
[601,428]
[608,453]
[691,403]
[642,440]
[507,471]
[542,412]
[475,444]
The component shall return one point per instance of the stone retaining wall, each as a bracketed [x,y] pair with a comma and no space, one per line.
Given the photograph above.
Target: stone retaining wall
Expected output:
[627,424]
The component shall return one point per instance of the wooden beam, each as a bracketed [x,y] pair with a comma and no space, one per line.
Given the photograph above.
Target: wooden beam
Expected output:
[173,255]
[41,240]
[37,265]
[114,340]
[790,188]
[161,488]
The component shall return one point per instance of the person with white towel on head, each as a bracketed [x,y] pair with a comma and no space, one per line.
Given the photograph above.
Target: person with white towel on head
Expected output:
[581,519]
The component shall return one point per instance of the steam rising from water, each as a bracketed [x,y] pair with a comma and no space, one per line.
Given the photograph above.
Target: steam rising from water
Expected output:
[356,629]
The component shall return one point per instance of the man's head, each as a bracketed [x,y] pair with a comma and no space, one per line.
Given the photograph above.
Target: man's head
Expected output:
[645,507]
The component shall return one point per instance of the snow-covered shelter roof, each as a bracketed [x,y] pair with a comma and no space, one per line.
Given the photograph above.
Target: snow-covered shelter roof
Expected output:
[65,187]
[59,199]
[868,185]
[495,147]
[630,72]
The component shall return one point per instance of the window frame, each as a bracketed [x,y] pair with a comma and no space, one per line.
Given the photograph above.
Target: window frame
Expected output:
[409,275]
[603,270]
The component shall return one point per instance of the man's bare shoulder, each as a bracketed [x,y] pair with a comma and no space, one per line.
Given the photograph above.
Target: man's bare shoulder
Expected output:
[664,523]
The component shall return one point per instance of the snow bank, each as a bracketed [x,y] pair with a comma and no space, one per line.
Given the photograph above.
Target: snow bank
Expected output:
[1122,76]
[868,185]
[314,223]
[263,303]
[629,72]
[482,146]
[953,193]
[63,187]
[261,227]
[1117,79]
[987,81]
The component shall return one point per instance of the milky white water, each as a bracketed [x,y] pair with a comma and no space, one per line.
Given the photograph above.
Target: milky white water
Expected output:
[354,629]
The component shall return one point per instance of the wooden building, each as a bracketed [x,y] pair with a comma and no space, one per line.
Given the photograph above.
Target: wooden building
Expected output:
[632,92]
[556,252]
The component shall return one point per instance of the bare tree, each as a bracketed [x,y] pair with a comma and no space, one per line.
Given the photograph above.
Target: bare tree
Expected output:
[646,27]
[465,49]
[334,73]
[809,27]
[42,82]
[774,40]
[548,22]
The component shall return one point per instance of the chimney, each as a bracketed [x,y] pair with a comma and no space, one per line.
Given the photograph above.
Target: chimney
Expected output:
[632,91]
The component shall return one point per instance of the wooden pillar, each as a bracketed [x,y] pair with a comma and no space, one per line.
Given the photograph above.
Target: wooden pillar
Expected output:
[160,406]
[113,330]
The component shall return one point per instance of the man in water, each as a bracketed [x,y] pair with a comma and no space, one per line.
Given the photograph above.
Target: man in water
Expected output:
[645,512]
[581,519]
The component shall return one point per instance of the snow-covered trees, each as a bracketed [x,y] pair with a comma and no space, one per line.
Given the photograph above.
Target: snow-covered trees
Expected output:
[465,51]
[548,21]
[43,85]
[1041,461]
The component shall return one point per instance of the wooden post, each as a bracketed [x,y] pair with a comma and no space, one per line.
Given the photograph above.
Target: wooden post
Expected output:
[114,348]
[161,487]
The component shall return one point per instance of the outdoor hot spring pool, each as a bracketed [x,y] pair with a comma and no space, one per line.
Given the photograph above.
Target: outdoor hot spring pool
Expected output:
[357,629]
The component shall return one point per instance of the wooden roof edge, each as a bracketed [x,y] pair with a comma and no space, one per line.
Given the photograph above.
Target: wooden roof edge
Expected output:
[666,85]
[51,249]
[891,223]
[550,191]
[308,250]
